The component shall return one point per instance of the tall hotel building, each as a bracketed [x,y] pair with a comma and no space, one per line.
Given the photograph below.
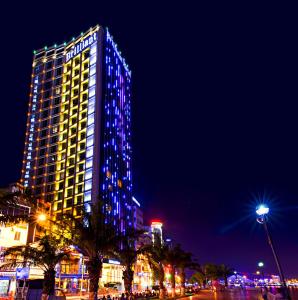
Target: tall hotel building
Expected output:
[78,139]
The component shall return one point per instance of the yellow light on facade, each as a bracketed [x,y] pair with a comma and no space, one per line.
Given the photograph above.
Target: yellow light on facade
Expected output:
[41,217]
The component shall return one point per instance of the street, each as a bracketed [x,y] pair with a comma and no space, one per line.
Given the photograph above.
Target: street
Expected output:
[227,295]
[234,295]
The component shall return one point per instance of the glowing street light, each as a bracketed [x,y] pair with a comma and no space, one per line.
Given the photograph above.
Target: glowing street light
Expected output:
[41,217]
[262,212]
[258,272]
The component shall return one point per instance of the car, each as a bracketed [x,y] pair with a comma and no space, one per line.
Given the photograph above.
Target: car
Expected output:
[59,295]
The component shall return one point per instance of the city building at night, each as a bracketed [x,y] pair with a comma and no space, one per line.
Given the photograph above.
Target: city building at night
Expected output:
[156,230]
[78,138]
[138,218]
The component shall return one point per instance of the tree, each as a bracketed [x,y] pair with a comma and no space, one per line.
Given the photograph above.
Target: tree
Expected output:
[46,254]
[174,257]
[95,238]
[156,254]
[211,271]
[186,261]
[224,272]
[197,277]
[215,272]
[128,255]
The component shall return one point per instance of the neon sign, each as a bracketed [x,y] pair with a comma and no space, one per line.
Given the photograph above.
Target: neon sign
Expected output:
[80,46]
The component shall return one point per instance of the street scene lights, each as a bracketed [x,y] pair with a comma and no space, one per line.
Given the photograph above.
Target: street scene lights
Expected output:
[41,217]
[261,266]
[262,212]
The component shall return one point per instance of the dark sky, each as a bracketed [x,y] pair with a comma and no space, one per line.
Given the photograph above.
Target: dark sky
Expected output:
[214,113]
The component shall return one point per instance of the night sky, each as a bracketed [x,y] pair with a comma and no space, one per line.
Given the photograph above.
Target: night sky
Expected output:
[215,109]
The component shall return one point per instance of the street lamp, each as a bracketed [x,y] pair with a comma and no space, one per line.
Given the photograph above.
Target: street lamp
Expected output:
[41,217]
[261,265]
[262,211]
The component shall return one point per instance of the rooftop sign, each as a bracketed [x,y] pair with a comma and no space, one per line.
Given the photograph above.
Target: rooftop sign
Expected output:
[80,46]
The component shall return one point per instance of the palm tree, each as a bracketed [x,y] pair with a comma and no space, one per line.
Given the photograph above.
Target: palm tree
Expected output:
[198,277]
[46,254]
[173,258]
[95,239]
[128,255]
[224,272]
[211,271]
[156,254]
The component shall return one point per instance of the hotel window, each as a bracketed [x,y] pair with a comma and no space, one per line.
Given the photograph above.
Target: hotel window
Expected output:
[71,161]
[42,152]
[49,65]
[46,104]
[69,192]
[17,236]
[43,133]
[82,156]
[57,101]
[51,169]
[70,182]
[44,123]
[53,149]
[41,161]
[51,178]
[48,85]
[39,180]
[42,143]
[79,199]
[86,54]
[58,81]
[45,114]
[54,139]
[56,111]
[60,61]
[69,203]
[61,185]
[40,171]
[49,198]
[59,205]
[50,188]
[55,120]
[80,188]
[83,135]
[70,171]
[82,146]
[80,178]
[58,71]
[48,75]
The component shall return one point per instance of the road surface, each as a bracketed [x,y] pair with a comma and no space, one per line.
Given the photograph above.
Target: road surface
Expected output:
[236,294]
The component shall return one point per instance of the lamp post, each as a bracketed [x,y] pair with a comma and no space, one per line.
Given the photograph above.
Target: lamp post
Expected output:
[262,212]
[261,266]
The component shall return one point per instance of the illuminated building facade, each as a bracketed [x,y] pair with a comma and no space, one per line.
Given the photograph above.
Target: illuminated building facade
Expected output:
[137,215]
[78,138]
[156,230]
